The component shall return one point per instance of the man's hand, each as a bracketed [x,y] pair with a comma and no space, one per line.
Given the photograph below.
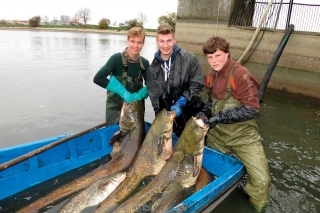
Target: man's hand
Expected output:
[201,115]
[177,106]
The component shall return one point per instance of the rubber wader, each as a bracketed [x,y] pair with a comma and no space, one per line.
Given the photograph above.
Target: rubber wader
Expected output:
[242,139]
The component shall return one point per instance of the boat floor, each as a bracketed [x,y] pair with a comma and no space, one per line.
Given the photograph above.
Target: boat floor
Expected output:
[17,201]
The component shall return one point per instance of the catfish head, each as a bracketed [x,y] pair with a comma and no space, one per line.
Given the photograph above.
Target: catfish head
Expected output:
[162,129]
[131,117]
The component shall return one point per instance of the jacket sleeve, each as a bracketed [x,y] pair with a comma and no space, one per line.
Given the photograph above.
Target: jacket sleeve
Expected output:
[205,110]
[154,91]
[101,76]
[196,79]
[234,115]
[246,90]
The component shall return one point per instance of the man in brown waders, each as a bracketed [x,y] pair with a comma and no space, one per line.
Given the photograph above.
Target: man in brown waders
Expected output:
[231,104]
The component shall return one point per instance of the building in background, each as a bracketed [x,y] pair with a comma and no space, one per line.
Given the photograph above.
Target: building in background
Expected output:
[65,19]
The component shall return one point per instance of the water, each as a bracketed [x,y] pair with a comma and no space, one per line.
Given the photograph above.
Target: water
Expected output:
[47,89]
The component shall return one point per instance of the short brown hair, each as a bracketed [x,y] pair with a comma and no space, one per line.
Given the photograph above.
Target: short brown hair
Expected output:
[215,43]
[136,31]
[165,29]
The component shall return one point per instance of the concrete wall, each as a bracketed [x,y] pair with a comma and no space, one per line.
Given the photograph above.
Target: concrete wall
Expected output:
[298,68]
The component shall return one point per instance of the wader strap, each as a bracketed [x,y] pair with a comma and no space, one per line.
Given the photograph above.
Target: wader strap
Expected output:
[209,92]
[142,69]
[125,66]
[229,89]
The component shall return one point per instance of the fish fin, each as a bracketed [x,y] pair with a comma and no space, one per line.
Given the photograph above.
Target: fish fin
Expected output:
[115,137]
[156,196]
[164,147]
[196,166]
[159,146]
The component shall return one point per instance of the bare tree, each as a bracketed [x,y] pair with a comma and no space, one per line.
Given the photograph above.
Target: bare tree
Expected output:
[45,19]
[75,19]
[35,21]
[55,20]
[142,18]
[84,15]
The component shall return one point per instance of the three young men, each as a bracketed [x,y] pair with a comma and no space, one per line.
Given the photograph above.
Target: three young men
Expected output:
[175,81]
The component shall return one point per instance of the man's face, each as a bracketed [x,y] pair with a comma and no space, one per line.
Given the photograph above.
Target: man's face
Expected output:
[135,44]
[217,60]
[165,44]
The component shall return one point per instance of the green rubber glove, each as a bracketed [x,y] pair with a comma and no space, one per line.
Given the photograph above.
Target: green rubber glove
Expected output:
[116,87]
[143,93]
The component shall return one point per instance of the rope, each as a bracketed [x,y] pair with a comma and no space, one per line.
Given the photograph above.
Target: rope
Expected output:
[256,32]
[215,33]
[266,23]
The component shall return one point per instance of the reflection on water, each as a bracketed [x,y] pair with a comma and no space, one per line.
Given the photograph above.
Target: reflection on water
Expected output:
[47,89]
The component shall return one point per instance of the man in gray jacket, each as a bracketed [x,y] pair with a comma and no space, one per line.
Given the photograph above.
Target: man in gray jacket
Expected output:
[175,79]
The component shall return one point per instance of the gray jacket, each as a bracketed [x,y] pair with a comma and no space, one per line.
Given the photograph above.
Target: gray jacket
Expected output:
[185,78]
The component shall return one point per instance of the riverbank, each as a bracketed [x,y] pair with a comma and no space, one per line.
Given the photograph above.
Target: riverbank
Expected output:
[76,30]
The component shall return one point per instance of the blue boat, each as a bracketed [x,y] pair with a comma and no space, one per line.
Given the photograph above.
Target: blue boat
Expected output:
[25,167]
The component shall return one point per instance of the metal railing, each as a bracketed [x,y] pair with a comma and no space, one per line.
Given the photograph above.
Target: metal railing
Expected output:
[304,17]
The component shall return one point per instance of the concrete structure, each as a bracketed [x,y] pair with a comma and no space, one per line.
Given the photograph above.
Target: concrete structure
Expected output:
[298,68]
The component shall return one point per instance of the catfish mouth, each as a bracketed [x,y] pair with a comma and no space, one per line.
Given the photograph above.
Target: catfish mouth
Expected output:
[129,116]
[172,115]
[201,124]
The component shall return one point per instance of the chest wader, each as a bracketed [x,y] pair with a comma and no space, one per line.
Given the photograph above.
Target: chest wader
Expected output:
[114,101]
[243,139]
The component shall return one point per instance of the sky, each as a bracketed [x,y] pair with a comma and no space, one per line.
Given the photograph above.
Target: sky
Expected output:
[114,10]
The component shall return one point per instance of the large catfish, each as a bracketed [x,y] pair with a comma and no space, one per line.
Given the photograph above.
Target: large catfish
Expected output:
[155,150]
[175,193]
[182,168]
[126,143]
[93,194]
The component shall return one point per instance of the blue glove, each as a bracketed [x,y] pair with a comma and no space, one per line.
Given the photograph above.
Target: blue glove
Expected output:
[116,87]
[181,102]
[143,93]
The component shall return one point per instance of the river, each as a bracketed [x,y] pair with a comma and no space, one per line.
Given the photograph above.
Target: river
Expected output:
[47,89]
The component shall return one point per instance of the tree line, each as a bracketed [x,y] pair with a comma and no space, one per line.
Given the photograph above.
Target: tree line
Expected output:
[84,15]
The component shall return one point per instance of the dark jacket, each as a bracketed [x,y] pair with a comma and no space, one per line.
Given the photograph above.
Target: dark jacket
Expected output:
[185,79]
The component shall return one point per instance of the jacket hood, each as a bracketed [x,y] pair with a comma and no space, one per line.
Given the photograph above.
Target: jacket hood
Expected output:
[176,49]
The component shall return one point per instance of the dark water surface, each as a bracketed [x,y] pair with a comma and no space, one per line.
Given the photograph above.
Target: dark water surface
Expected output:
[47,89]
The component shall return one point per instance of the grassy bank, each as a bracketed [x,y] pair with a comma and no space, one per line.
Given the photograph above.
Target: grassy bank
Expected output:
[87,28]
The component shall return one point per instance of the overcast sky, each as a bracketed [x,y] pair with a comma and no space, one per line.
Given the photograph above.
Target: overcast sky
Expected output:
[115,10]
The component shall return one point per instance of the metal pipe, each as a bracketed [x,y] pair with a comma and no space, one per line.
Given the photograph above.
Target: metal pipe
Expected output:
[289,13]
[278,14]
[274,62]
